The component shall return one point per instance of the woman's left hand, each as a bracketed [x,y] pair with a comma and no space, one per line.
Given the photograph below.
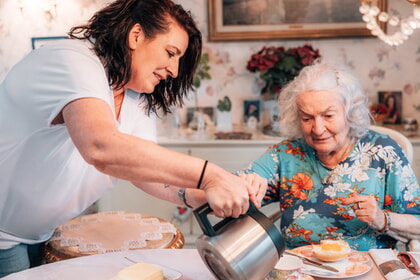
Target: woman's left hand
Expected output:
[367,210]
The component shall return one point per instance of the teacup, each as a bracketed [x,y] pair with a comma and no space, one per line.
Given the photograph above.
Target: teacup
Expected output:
[287,268]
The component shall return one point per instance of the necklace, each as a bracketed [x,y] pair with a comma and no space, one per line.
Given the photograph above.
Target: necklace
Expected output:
[342,157]
[331,176]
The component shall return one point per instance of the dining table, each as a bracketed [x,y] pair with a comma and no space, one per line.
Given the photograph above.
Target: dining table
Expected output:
[185,264]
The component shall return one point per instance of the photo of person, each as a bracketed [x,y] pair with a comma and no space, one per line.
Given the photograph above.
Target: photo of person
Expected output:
[251,113]
[392,101]
[251,108]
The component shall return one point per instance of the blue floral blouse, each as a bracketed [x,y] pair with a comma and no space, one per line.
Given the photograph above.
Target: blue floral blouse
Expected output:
[310,194]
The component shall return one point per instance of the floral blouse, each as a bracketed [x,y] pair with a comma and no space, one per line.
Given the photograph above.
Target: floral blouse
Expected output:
[310,194]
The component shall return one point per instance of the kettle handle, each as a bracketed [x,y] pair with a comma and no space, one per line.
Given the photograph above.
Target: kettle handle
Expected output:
[202,212]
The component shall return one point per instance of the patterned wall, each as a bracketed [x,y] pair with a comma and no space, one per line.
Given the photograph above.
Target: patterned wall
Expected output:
[379,66]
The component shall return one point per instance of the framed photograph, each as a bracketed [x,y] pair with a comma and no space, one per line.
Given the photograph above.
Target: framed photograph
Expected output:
[39,41]
[251,109]
[193,114]
[391,101]
[286,19]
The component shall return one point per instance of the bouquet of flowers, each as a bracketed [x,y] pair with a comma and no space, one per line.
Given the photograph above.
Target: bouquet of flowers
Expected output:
[277,65]
[378,112]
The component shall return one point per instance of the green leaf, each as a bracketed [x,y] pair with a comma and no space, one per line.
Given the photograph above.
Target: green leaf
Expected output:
[202,72]
[224,105]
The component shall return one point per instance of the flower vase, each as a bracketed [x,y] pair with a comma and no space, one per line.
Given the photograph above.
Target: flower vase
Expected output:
[224,120]
[270,115]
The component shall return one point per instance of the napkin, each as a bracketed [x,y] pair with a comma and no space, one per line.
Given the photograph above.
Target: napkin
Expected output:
[411,261]
[390,266]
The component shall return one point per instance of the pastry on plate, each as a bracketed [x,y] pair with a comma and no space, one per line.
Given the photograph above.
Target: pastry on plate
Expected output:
[331,250]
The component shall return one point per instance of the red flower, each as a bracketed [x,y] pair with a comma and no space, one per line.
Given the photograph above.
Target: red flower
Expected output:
[388,200]
[301,182]
[277,65]
[181,210]
[332,229]
[378,109]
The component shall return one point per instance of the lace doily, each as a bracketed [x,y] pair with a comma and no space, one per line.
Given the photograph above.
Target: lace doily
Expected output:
[112,231]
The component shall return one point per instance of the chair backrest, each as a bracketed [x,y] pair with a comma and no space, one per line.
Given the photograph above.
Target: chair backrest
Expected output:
[400,138]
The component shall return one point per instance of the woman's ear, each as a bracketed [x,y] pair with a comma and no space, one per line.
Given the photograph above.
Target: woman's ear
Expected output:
[135,36]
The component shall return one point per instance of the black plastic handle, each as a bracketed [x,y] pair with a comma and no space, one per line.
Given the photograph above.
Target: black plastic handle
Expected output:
[202,212]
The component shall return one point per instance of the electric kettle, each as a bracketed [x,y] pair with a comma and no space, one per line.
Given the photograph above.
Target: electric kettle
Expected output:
[243,248]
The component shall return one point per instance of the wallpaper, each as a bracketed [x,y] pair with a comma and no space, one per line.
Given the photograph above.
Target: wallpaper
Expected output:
[380,67]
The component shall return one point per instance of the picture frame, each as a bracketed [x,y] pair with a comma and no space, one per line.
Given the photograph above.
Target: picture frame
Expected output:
[230,20]
[40,41]
[392,101]
[207,113]
[251,109]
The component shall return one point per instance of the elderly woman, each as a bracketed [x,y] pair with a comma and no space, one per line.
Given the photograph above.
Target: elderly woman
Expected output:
[335,178]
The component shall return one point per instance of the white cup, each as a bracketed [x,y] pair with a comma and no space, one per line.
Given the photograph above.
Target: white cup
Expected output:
[287,268]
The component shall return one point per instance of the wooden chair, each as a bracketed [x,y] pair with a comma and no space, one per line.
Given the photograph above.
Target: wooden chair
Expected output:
[400,138]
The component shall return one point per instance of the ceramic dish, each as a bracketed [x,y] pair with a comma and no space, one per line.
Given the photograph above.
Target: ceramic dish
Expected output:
[356,264]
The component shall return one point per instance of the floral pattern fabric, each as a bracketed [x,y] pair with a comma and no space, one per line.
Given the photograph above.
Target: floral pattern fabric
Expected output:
[310,195]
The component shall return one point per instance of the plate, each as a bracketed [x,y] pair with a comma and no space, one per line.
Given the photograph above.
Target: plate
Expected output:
[168,273]
[356,264]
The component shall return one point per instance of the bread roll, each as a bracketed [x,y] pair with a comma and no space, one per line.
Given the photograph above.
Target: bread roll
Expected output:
[331,250]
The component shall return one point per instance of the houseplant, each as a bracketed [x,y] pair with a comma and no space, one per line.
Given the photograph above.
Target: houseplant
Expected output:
[276,66]
[224,114]
[202,73]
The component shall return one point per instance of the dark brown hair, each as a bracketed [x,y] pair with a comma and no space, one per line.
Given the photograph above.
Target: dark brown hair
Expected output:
[108,30]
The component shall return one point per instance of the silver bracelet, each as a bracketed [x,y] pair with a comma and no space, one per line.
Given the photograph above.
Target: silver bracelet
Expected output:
[181,195]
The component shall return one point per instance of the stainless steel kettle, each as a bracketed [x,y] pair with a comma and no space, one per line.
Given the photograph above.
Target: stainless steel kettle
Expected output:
[243,248]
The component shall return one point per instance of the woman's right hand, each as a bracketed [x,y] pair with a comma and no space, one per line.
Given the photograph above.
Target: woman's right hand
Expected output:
[227,194]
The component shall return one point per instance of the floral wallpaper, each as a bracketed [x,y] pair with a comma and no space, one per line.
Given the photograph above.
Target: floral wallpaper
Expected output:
[380,67]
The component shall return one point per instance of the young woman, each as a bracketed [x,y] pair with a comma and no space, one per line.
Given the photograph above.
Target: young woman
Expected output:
[75,115]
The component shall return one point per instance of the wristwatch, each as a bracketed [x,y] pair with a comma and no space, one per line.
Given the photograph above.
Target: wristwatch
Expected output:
[181,195]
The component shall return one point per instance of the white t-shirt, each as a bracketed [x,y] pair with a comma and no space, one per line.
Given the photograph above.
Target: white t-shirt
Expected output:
[44,181]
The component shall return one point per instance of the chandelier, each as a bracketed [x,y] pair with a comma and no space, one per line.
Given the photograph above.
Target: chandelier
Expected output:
[373,17]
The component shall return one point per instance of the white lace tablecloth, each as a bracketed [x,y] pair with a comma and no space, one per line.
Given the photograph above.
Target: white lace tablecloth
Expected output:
[105,266]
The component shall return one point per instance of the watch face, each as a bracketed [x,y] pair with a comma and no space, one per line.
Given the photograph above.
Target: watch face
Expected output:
[181,196]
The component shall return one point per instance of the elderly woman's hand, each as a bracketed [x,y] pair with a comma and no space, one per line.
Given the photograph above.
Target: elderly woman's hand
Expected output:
[367,210]
[259,184]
